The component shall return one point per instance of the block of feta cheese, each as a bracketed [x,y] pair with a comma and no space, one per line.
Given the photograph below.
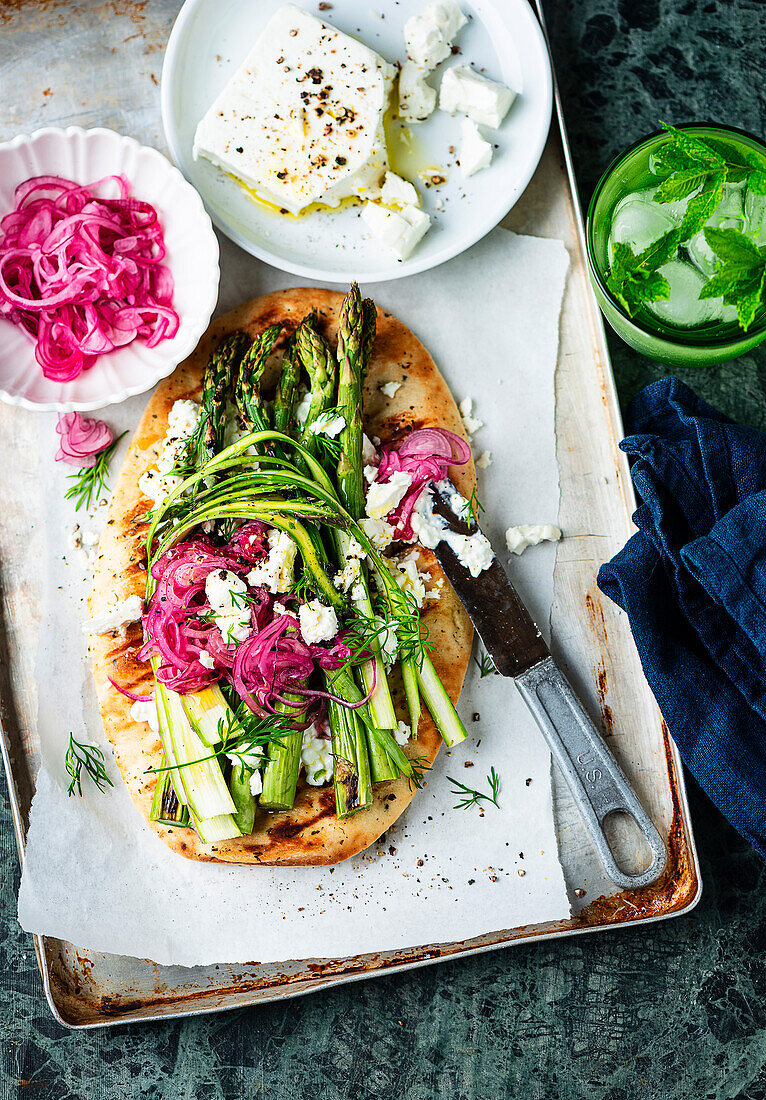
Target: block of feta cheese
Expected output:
[475,153]
[417,98]
[429,35]
[401,229]
[467,92]
[301,121]
[520,538]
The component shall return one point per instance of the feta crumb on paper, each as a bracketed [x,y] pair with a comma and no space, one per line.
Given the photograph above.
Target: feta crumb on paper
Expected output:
[520,538]
[484,461]
[470,422]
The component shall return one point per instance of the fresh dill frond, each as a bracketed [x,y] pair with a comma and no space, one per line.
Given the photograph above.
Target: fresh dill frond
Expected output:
[470,797]
[91,484]
[471,507]
[486,665]
[243,735]
[80,755]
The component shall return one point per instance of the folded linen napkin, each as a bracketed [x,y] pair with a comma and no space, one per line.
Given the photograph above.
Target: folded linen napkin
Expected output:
[693,584]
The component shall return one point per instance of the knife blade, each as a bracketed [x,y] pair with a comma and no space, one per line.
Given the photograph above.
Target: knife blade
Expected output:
[519,651]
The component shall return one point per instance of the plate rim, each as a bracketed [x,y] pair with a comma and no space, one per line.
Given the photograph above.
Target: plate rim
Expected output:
[19,400]
[411,266]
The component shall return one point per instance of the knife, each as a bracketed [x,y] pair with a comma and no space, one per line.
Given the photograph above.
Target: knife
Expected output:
[519,651]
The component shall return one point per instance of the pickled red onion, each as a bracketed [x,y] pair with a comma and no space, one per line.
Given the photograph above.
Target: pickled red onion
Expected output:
[82,274]
[82,439]
[425,455]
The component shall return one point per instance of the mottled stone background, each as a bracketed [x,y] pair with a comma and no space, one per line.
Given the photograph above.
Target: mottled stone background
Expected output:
[677,1010]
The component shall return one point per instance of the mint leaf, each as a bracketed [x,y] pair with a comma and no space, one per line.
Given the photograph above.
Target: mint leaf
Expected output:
[694,149]
[680,184]
[634,280]
[701,207]
[732,247]
[741,164]
[741,277]
[756,183]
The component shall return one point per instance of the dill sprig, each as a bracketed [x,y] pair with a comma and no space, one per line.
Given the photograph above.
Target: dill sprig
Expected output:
[486,665]
[91,484]
[470,797]
[471,507]
[243,735]
[80,755]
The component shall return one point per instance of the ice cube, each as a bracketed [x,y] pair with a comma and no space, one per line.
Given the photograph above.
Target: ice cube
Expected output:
[731,206]
[755,217]
[684,307]
[639,222]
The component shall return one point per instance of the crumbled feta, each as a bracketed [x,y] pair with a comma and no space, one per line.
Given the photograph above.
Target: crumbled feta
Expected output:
[379,532]
[251,757]
[475,152]
[470,422]
[301,121]
[429,35]
[116,616]
[474,552]
[400,230]
[382,498]
[402,733]
[484,461]
[390,388]
[519,538]
[256,783]
[410,580]
[275,572]
[370,474]
[146,711]
[157,486]
[327,424]
[467,92]
[417,98]
[84,541]
[316,757]
[184,417]
[369,454]
[227,595]
[318,622]
[206,659]
[351,571]
[398,192]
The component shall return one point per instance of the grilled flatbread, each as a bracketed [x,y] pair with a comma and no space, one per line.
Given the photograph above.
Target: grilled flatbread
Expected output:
[309,833]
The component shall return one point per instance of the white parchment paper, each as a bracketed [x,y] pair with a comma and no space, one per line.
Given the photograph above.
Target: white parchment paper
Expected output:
[95,875]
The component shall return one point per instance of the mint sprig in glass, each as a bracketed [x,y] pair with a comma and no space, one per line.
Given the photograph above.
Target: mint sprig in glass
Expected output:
[676,238]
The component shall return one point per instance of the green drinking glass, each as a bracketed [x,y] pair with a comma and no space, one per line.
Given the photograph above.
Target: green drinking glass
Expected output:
[684,330]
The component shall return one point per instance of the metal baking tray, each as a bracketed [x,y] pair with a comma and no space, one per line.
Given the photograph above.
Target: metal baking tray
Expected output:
[591,637]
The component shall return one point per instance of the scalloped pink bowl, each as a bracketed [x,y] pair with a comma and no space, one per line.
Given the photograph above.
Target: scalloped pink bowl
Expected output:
[86,156]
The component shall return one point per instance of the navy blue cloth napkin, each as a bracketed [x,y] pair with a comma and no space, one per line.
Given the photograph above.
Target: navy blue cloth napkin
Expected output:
[693,584]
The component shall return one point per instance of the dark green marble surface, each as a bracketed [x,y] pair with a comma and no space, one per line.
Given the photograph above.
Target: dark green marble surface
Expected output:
[675,1010]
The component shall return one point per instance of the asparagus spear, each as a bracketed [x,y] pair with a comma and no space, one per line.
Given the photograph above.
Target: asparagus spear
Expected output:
[166,806]
[248,392]
[319,363]
[207,440]
[239,785]
[353,790]
[280,776]
[284,400]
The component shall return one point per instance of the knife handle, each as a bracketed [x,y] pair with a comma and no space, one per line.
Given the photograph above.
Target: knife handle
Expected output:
[594,777]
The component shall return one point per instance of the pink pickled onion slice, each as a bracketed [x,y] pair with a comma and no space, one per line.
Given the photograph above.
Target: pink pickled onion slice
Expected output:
[425,455]
[82,439]
[130,694]
[83,274]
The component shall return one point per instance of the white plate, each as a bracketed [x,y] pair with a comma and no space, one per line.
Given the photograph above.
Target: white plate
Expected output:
[211,38]
[192,256]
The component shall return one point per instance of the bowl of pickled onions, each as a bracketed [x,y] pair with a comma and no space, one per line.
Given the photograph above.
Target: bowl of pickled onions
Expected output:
[108,269]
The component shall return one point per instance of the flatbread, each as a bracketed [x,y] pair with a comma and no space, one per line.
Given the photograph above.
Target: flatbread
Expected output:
[310,833]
